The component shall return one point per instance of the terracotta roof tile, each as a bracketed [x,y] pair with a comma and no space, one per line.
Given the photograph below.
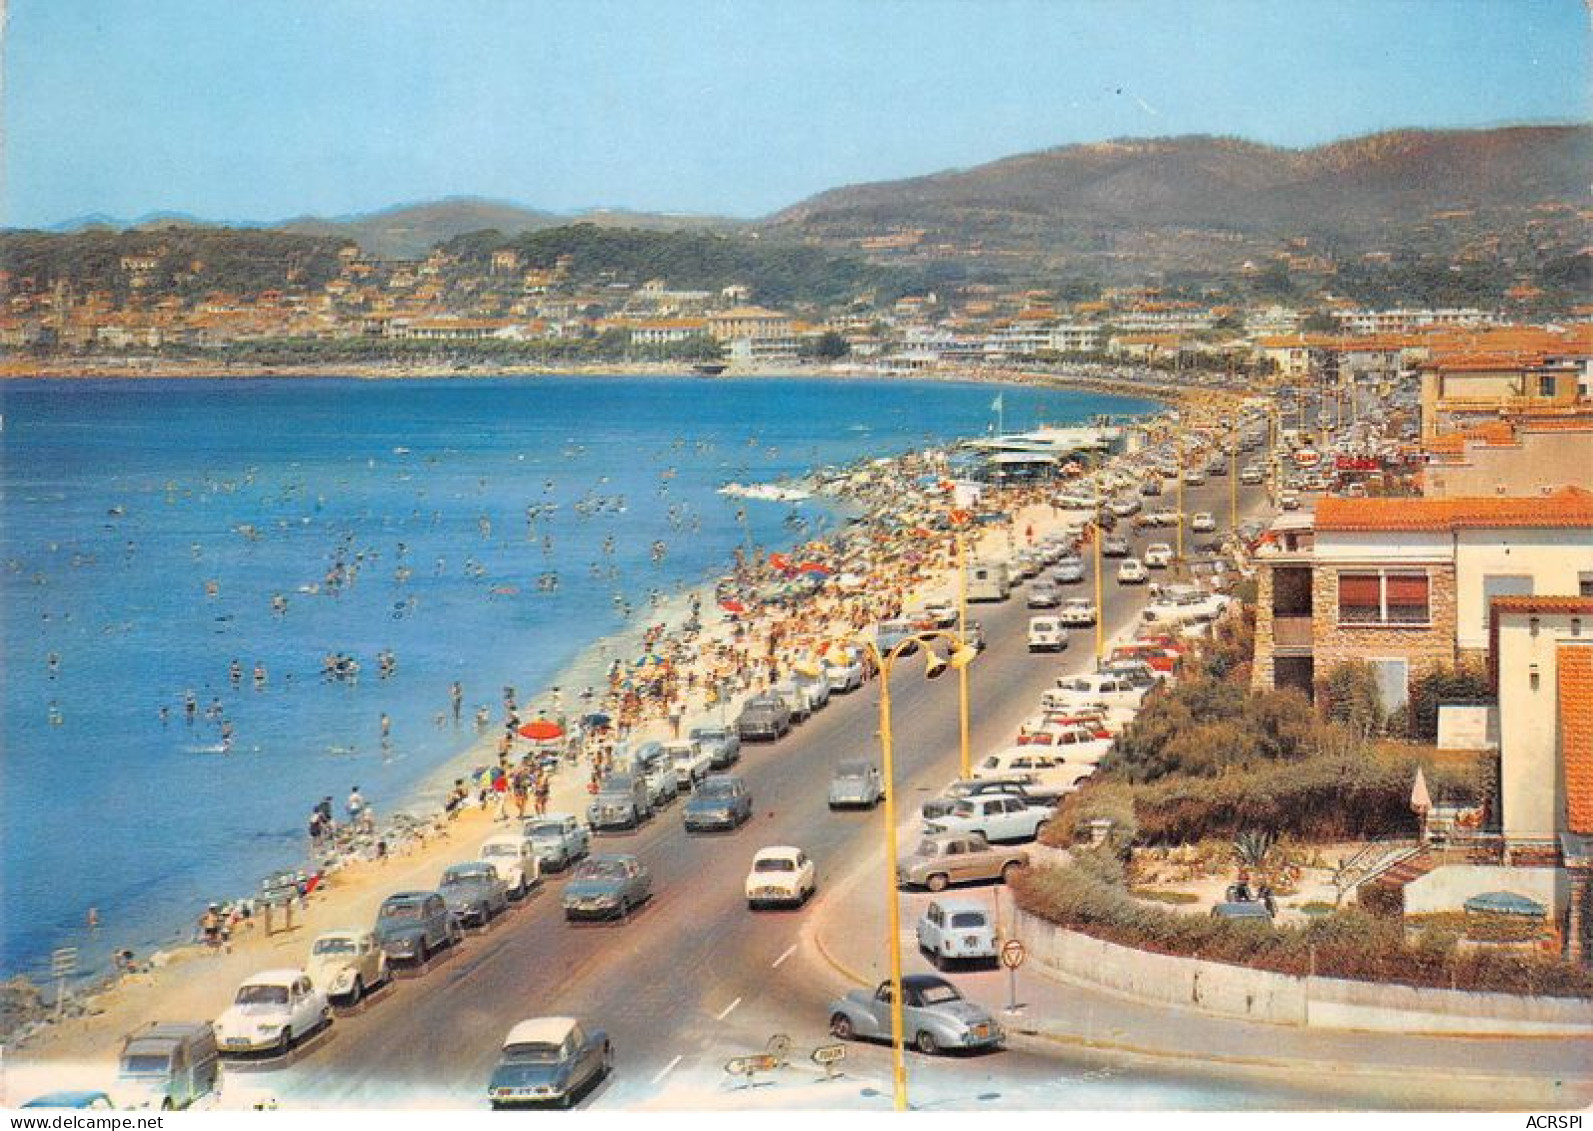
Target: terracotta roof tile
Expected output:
[1575,663]
[1544,604]
[1568,507]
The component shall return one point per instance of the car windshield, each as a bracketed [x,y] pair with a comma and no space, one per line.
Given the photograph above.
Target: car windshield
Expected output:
[333,946]
[505,849]
[545,829]
[717,791]
[939,994]
[453,878]
[709,733]
[597,869]
[261,995]
[963,808]
[927,848]
[968,919]
[774,864]
[400,911]
[619,783]
[146,1064]
[851,770]
[532,1052]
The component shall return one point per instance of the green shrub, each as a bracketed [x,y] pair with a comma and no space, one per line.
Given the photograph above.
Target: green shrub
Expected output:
[1348,696]
[1465,683]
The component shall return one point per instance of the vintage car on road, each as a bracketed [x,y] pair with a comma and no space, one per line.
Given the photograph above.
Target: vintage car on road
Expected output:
[473,892]
[844,671]
[1068,570]
[623,801]
[515,857]
[549,1060]
[1014,786]
[764,718]
[1204,522]
[558,839]
[723,745]
[1131,571]
[692,763]
[270,1011]
[1159,555]
[411,926]
[935,1016]
[994,817]
[1077,612]
[1047,634]
[856,784]
[1115,546]
[651,763]
[721,802]
[346,964]
[952,929]
[1043,595]
[781,876]
[943,859]
[607,886]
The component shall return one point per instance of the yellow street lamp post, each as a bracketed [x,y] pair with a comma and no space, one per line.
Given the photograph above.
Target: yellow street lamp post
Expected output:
[965,767]
[934,666]
[1233,480]
[1096,536]
[1178,554]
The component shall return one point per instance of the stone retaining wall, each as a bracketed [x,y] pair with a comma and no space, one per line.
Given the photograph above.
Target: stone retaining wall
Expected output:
[1285,999]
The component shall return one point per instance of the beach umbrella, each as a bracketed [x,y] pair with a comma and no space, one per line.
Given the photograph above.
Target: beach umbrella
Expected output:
[596,719]
[541,730]
[735,607]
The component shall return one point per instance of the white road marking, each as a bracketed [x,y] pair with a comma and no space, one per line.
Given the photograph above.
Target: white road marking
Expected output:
[668,1068]
[725,1012]
[789,951]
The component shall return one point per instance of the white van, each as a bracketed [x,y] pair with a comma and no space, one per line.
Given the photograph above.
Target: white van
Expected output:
[1046,634]
[989,581]
[1034,765]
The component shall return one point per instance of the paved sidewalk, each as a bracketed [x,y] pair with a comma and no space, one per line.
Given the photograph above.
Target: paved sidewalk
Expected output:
[848,933]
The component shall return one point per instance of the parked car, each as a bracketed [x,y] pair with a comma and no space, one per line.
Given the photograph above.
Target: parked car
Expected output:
[780,876]
[1203,522]
[411,926]
[1114,546]
[1158,555]
[558,839]
[1252,476]
[271,1010]
[856,784]
[1043,595]
[1194,477]
[1131,571]
[764,718]
[1097,687]
[346,964]
[1014,786]
[1289,500]
[974,636]
[993,817]
[721,802]
[952,929]
[75,1100]
[1047,634]
[167,1065]
[1135,670]
[515,858]
[623,801]
[722,743]
[1151,488]
[692,763]
[1068,571]
[607,886]
[934,1016]
[957,858]
[937,614]
[844,670]
[816,687]
[1125,507]
[890,633]
[1249,909]
[1077,612]
[651,762]
[549,1060]
[474,892]
[1038,765]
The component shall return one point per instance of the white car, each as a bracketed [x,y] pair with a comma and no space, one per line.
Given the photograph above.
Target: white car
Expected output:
[1079,612]
[844,671]
[1203,522]
[347,964]
[514,857]
[1132,571]
[950,929]
[272,1010]
[941,614]
[780,876]
[692,763]
[1158,555]
[1046,634]
[1194,477]
[1098,687]
[994,817]
[1034,765]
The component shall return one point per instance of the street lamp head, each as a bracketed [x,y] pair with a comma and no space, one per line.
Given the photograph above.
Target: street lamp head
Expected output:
[964,655]
[934,666]
[807,668]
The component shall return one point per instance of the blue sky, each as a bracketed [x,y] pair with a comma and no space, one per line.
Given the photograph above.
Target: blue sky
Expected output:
[267,109]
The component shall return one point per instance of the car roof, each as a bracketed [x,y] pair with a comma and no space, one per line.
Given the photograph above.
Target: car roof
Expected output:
[853,767]
[777,852]
[284,976]
[963,905]
[547,818]
[409,896]
[540,1031]
[923,982]
[343,933]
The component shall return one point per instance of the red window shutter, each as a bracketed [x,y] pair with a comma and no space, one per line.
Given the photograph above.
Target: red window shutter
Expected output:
[1407,589]
[1359,590]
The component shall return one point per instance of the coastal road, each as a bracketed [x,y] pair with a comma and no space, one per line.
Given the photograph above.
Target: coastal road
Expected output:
[695,978]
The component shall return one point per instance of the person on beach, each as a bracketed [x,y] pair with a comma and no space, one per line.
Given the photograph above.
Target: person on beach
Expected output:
[355,806]
[210,927]
[317,830]
[500,795]
[520,790]
[387,727]
[456,698]
[544,789]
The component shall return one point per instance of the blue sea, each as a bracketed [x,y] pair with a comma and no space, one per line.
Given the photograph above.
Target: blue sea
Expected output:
[484,530]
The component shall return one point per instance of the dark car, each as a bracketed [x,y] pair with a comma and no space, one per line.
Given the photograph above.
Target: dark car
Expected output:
[979,787]
[549,1060]
[474,892]
[623,801]
[721,802]
[722,743]
[607,886]
[764,717]
[411,926]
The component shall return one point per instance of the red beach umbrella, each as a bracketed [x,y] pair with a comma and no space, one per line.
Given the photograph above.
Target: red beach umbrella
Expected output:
[541,730]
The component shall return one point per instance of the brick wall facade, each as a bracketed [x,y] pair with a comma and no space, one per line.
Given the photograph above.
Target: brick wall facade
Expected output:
[1423,646]
[1262,671]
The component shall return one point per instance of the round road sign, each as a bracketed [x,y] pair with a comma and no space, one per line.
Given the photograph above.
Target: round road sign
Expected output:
[1013,954]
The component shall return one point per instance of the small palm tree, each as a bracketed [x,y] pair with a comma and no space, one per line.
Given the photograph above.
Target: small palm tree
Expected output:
[1252,846]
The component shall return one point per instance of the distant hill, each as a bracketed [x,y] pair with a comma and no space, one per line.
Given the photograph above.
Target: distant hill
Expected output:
[1158,203]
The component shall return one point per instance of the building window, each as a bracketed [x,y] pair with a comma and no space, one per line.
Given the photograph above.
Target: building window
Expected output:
[1384,598]
[1584,585]
[1546,386]
[1393,683]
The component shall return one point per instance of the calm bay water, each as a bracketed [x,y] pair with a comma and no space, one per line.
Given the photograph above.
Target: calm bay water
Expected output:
[494,530]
